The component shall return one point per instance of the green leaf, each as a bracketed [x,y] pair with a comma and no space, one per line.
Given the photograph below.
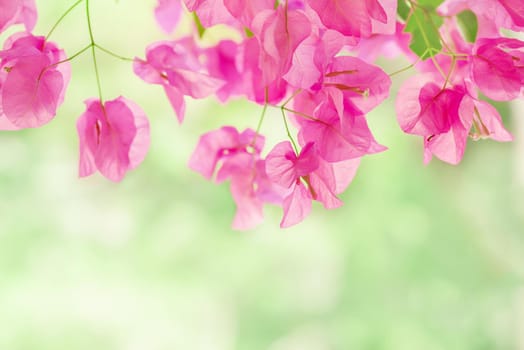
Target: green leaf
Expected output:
[249,33]
[402,9]
[429,4]
[423,25]
[469,25]
[200,28]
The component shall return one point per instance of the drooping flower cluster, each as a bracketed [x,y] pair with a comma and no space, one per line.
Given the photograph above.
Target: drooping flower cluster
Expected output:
[311,59]
[34,74]
[442,104]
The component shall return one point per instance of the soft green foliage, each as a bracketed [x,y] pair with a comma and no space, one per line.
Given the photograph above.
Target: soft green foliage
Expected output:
[429,4]
[403,9]
[200,28]
[469,25]
[423,24]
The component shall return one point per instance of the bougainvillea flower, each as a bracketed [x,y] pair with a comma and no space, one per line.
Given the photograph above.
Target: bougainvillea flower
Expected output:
[484,118]
[312,58]
[223,62]
[497,67]
[17,11]
[253,76]
[423,106]
[245,11]
[305,177]
[210,12]
[250,188]
[364,84]
[279,32]
[446,117]
[476,119]
[219,146]
[315,67]
[492,15]
[32,84]
[338,136]
[387,45]
[357,18]
[167,14]
[176,66]
[515,9]
[114,138]
[236,13]
[237,157]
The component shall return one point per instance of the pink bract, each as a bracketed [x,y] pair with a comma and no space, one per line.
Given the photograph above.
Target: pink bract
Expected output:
[497,67]
[114,138]
[210,12]
[167,14]
[176,66]
[303,178]
[492,15]
[237,157]
[338,135]
[279,33]
[17,11]
[357,18]
[32,84]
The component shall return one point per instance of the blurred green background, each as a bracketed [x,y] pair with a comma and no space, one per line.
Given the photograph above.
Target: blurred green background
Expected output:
[419,258]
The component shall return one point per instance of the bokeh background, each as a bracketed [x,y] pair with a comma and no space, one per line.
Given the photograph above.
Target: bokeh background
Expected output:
[419,258]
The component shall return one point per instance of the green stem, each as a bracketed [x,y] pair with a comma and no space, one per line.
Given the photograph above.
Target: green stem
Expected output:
[303,115]
[71,57]
[93,52]
[410,66]
[451,69]
[111,53]
[291,97]
[288,132]
[64,15]
[63,61]
[257,131]
[261,119]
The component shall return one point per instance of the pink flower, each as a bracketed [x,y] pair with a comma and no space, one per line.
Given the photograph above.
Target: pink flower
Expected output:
[167,14]
[32,85]
[338,135]
[477,119]
[423,107]
[236,13]
[222,62]
[279,33]
[365,85]
[253,71]
[250,188]
[492,15]
[245,11]
[176,66]
[357,18]
[306,177]
[17,11]
[515,9]
[114,138]
[315,67]
[210,12]
[497,67]
[445,116]
[221,146]
[237,157]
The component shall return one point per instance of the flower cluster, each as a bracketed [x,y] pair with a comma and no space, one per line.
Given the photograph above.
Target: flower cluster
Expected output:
[311,59]
[34,74]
